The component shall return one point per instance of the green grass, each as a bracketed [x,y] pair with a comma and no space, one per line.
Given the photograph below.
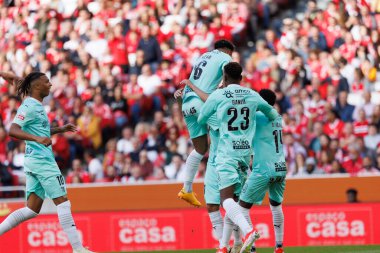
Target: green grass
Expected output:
[335,249]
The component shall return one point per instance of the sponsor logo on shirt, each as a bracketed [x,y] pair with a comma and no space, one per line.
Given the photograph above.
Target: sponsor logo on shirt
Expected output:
[190,112]
[228,94]
[241,144]
[281,166]
[21,116]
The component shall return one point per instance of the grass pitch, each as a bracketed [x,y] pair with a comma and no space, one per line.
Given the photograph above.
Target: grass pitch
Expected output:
[335,249]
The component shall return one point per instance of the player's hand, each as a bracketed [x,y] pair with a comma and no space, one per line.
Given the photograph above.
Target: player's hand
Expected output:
[46,141]
[178,93]
[183,83]
[69,128]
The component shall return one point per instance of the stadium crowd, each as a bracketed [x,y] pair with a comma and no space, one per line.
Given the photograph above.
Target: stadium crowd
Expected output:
[115,64]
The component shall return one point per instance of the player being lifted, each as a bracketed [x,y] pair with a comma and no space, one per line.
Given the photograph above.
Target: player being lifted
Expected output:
[211,188]
[43,176]
[206,75]
[268,172]
[235,107]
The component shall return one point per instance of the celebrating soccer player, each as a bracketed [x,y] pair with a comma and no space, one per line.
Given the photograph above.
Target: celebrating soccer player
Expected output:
[43,177]
[235,107]
[206,75]
[269,170]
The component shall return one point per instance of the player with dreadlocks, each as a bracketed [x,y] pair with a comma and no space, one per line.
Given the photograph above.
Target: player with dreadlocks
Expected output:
[43,177]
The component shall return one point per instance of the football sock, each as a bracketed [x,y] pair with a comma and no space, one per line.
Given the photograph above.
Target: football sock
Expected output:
[227,231]
[68,225]
[192,164]
[236,215]
[237,235]
[217,224]
[278,224]
[16,218]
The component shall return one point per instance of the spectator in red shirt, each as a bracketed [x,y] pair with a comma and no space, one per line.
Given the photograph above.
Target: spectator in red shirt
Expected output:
[78,171]
[361,124]
[333,126]
[352,162]
[118,48]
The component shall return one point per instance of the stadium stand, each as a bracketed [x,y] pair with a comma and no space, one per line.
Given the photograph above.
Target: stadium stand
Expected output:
[115,64]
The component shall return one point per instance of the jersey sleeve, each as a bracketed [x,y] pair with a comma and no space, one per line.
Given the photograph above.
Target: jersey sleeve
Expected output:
[208,108]
[267,109]
[24,116]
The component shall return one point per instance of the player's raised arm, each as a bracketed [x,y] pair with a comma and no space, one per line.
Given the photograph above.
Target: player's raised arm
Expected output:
[267,109]
[209,108]
[11,78]
[198,91]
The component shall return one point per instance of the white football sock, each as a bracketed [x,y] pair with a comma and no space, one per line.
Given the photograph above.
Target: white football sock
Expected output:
[192,164]
[278,224]
[227,231]
[247,217]
[236,215]
[237,235]
[68,225]
[16,218]
[217,224]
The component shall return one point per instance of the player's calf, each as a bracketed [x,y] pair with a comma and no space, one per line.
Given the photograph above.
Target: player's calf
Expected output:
[15,218]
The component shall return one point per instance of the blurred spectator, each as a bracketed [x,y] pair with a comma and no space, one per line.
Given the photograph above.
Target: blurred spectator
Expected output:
[89,128]
[95,167]
[176,168]
[310,168]
[124,145]
[77,173]
[368,168]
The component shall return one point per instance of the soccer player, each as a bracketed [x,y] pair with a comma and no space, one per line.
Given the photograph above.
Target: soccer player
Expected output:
[43,177]
[211,188]
[206,75]
[235,107]
[269,171]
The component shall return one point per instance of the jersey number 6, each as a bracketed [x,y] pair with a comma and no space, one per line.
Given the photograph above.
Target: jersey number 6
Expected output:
[198,70]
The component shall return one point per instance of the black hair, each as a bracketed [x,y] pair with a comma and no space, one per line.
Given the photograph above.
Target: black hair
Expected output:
[268,95]
[24,87]
[224,44]
[233,71]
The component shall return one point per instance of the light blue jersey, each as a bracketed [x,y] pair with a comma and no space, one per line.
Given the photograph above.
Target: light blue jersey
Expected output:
[32,118]
[267,145]
[207,73]
[235,108]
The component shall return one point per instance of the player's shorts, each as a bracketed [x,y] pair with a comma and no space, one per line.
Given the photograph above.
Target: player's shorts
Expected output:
[258,184]
[190,111]
[232,171]
[211,191]
[45,183]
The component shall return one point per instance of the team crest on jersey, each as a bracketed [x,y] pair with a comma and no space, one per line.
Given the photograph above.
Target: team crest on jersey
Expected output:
[21,116]
[228,94]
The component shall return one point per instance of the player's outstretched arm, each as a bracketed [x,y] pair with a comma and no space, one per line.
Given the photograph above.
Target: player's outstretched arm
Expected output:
[16,132]
[267,109]
[209,108]
[63,129]
[198,91]
[11,78]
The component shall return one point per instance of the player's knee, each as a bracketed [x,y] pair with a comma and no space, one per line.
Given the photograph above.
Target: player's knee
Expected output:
[60,200]
[245,204]
[201,149]
[212,208]
[274,203]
